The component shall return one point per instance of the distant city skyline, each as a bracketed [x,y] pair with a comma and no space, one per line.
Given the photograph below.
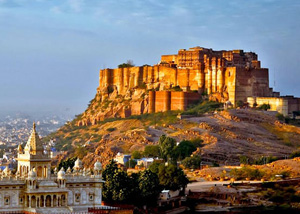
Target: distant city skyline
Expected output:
[51,51]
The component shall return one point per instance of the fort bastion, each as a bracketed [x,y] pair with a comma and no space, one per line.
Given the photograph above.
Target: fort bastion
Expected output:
[222,76]
[226,75]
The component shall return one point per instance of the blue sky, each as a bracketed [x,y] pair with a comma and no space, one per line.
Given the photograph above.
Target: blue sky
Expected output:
[51,50]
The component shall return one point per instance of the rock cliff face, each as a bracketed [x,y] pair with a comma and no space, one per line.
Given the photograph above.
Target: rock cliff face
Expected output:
[223,75]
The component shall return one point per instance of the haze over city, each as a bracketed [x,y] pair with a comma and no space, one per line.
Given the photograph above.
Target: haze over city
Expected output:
[51,51]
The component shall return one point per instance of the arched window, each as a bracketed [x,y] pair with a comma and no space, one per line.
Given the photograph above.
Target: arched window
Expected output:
[33,201]
[39,172]
[48,201]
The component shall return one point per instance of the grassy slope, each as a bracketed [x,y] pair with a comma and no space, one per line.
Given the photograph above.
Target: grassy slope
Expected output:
[69,136]
[135,132]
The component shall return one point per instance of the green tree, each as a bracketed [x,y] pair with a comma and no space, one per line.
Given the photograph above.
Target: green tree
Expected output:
[149,187]
[133,186]
[154,167]
[128,64]
[171,177]
[167,146]
[116,186]
[67,163]
[192,162]
[136,155]
[108,173]
[152,151]
[184,149]
[197,142]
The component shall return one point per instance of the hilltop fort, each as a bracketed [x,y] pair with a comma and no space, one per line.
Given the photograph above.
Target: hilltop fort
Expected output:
[181,79]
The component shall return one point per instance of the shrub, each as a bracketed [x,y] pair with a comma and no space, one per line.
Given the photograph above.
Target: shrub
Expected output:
[265,160]
[239,104]
[136,155]
[246,172]
[215,164]
[265,107]
[143,85]
[287,120]
[280,117]
[244,159]
[295,154]
[111,129]
[206,106]
[192,162]
[128,64]
[176,88]
[197,142]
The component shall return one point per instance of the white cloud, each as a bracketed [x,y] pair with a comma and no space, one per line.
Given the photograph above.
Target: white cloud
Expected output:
[56,9]
[76,5]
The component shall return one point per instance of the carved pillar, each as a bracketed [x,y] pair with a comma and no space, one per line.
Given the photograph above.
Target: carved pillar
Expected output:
[44,201]
[51,200]
[209,75]
[209,81]
[214,75]
[29,202]
[201,83]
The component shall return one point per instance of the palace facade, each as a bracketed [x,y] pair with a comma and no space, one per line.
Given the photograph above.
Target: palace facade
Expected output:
[34,189]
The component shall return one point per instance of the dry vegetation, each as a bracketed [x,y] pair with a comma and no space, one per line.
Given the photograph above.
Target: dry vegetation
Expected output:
[227,135]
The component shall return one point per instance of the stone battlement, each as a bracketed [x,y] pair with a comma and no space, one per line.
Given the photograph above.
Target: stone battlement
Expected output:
[231,75]
[223,76]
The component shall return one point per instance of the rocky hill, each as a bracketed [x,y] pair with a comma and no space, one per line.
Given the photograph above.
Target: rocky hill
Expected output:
[227,135]
[177,81]
[134,106]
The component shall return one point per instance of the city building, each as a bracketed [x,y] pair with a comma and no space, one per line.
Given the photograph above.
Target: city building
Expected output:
[145,162]
[34,189]
[122,158]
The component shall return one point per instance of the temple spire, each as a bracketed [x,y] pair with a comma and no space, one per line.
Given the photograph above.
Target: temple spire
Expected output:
[34,144]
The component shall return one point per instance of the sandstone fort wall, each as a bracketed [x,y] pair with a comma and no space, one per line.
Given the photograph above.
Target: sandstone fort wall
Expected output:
[223,76]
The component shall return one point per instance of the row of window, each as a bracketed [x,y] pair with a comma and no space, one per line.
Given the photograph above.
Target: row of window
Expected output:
[78,196]
[11,187]
[80,185]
